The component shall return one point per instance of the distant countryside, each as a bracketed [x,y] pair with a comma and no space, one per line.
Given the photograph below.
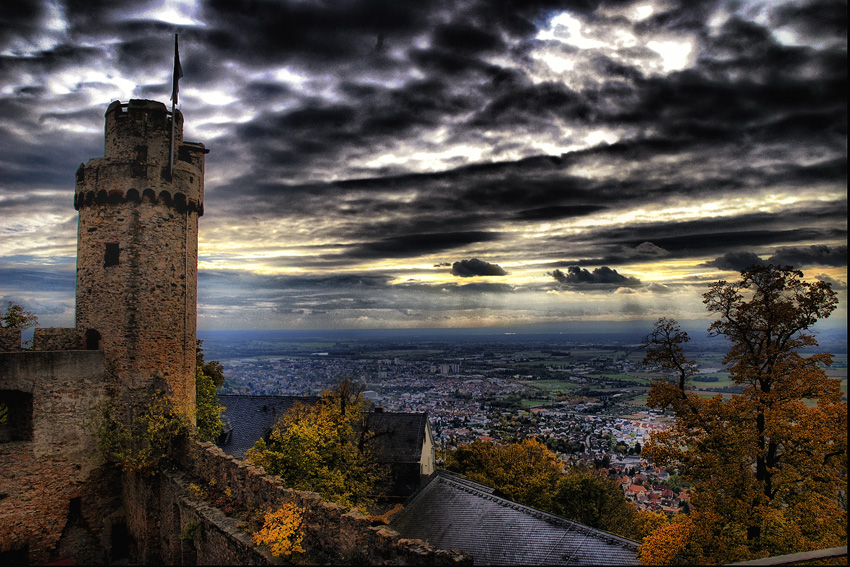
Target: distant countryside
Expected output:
[583,396]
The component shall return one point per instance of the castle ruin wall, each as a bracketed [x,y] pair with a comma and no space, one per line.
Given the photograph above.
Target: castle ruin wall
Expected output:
[332,533]
[54,493]
[10,339]
[56,338]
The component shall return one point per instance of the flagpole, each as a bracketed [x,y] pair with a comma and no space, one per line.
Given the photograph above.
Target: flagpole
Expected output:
[174,88]
[171,156]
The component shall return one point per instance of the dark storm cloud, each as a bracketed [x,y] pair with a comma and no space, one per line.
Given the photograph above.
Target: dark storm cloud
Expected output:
[330,152]
[818,18]
[476,267]
[795,256]
[415,244]
[541,188]
[703,235]
[576,276]
[559,212]
[314,33]
[803,257]
[21,19]
[251,280]
[763,84]
[735,261]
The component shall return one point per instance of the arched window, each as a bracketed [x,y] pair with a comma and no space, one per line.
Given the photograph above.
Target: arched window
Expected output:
[92,340]
[15,416]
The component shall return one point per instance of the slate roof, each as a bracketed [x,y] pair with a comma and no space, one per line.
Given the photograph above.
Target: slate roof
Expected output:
[398,436]
[248,418]
[454,513]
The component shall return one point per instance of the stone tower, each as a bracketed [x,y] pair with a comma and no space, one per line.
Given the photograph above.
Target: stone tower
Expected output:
[137,252]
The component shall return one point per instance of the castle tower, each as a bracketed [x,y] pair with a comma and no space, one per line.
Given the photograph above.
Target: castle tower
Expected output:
[137,251]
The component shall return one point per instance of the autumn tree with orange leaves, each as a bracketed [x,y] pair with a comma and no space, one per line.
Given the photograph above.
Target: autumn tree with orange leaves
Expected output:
[769,465]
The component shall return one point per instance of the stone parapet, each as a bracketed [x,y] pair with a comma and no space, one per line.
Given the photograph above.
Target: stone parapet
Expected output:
[140,164]
[57,338]
[332,533]
[10,339]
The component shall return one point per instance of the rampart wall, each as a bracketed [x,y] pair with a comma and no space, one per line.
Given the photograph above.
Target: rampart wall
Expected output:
[332,534]
[10,339]
[57,338]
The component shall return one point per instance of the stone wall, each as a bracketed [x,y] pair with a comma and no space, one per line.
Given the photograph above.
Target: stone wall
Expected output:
[332,534]
[57,338]
[54,494]
[10,339]
[208,535]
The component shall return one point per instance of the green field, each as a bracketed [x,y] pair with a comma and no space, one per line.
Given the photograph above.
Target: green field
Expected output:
[534,402]
[553,386]
[621,377]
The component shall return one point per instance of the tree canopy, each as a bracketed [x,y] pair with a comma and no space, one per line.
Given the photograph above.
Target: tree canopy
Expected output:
[16,317]
[769,465]
[208,377]
[324,448]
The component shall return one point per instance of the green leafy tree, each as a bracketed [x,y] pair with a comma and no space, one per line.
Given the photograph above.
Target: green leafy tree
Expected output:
[769,465]
[212,368]
[325,448]
[208,377]
[207,409]
[137,441]
[16,317]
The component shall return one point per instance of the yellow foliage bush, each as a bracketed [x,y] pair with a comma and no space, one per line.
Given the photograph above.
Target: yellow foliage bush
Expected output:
[281,530]
[196,491]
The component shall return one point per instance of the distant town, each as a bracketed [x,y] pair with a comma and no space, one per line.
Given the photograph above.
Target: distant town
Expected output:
[584,399]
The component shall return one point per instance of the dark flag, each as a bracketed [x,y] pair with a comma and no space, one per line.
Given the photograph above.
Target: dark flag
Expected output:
[178,72]
[175,88]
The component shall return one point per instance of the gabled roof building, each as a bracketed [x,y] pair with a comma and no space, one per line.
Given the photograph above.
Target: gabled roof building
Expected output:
[454,513]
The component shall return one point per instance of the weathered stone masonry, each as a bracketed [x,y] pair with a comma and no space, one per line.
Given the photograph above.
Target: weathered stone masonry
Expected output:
[333,535]
[137,250]
[46,460]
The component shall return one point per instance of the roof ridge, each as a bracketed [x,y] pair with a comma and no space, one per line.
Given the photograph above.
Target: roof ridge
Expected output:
[471,487]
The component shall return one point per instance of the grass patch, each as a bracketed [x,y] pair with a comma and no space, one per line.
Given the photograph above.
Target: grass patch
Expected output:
[535,402]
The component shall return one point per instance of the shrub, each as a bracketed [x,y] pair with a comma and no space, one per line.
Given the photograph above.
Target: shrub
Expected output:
[281,530]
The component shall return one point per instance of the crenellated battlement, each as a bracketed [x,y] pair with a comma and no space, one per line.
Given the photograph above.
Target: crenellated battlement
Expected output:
[138,161]
[140,123]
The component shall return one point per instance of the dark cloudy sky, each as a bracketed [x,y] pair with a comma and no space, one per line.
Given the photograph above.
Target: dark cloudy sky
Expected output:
[430,163]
